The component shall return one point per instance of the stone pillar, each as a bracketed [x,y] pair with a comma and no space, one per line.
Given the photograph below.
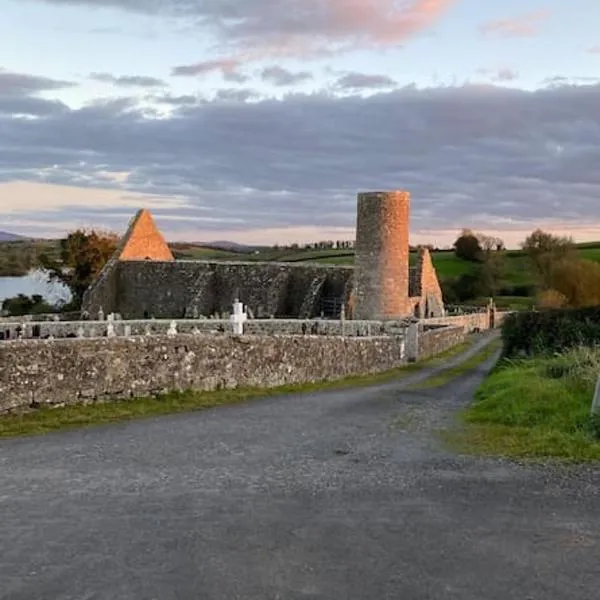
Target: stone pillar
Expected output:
[381,274]
[412,341]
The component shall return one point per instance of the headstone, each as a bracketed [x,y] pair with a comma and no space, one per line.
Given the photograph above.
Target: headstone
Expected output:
[127,332]
[195,331]
[55,318]
[111,317]
[147,330]
[596,401]
[80,332]
[92,332]
[100,314]
[172,328]
[195,312]
[238,318]
[110,329]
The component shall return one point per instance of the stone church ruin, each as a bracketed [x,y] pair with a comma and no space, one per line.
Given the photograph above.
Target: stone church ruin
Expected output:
[143,280]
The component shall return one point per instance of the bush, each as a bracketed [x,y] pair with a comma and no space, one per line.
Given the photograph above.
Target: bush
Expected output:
[550,331]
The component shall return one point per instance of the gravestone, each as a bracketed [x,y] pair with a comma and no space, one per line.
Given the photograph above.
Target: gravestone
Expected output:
[80,332]
[147,330]
[127,332]
[110,329]
[92,332]
[172,328]
[238,318]
[100,314]
[596,401]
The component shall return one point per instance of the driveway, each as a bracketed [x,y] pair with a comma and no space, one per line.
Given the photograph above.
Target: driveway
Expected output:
[334,495]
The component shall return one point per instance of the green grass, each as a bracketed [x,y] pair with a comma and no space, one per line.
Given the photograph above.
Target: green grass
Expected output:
[535,408]
[46,420]
[452,373]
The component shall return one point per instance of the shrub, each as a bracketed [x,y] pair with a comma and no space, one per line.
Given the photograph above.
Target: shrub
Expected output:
[550,331]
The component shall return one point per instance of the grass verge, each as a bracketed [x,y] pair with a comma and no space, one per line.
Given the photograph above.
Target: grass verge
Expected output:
[45,420]
[448,375]
[535,408]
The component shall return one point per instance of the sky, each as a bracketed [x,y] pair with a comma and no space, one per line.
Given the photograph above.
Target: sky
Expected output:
[259,121]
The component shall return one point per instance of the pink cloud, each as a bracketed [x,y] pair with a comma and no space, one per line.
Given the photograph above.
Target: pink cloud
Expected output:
[595,49]
[526,25]
[319,28]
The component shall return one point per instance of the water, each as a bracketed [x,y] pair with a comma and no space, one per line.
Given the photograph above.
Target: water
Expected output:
[33,283]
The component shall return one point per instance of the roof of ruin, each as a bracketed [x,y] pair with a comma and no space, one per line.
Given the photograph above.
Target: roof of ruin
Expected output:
[143,240]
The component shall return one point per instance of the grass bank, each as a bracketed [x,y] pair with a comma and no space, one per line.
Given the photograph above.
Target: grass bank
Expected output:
[464,367]
[46,420]
[535,408]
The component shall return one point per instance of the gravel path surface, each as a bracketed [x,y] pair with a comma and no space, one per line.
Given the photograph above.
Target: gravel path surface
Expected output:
[335,495]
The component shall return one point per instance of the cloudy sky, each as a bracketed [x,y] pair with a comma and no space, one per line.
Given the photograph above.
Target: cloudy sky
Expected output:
[260,120]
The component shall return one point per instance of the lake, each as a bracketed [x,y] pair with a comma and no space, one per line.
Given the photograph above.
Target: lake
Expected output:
[33,283]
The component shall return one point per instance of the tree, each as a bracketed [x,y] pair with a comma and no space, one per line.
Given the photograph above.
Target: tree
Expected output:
[544,250]
[82,256]
[467,246]
[26,305]
[576,281]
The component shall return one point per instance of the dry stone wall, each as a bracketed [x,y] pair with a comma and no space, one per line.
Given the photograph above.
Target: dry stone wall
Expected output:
[35,373]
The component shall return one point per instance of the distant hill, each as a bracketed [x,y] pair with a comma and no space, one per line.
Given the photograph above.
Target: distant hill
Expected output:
[10,237]
[229,246]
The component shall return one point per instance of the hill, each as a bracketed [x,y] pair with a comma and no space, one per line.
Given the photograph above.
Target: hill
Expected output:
[5,236]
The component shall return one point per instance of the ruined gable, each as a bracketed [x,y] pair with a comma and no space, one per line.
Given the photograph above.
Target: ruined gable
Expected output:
[143,240]
[429,289]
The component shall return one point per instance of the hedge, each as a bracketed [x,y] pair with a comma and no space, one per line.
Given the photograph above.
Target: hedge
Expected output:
[550,331]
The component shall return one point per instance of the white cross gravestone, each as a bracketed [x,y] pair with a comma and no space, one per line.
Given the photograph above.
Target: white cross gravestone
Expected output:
[127,332]
[596,401]
[238,318]
[100,314]
[110,329]
[172,328]
[80,332]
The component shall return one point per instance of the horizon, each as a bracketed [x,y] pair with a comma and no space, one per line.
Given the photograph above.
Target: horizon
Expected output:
[238,123]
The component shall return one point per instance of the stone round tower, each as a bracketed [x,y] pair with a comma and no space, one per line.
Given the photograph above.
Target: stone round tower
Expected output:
[381,271]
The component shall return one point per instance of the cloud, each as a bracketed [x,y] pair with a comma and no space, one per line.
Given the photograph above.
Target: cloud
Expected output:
[281,77]
[204,67]
[128,80]
[257,29]
[595,49]
[526,25]
[361,81]
[501,74]
[482,156]
[19,84]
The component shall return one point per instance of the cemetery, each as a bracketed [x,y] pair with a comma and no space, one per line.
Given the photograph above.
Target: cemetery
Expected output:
[151,325]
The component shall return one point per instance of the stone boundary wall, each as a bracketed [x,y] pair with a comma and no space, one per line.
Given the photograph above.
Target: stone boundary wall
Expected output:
[92,329]
[470,322]
[35,373]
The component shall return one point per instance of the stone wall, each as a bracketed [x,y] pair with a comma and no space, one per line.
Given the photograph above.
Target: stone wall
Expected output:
[70,371]
[177,289]
[471,322]
[93,329]
[73,371]
[436,340]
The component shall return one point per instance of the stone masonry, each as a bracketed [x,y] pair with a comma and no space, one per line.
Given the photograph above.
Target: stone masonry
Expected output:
[142,280]
[38,373]
[382,250]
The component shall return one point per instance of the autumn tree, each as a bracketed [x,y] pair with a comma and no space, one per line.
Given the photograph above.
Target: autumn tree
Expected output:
[82,255]
[572,282]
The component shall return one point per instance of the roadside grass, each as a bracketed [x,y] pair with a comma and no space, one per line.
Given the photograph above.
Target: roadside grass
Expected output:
[535,408]
[45,420]
[448,375]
